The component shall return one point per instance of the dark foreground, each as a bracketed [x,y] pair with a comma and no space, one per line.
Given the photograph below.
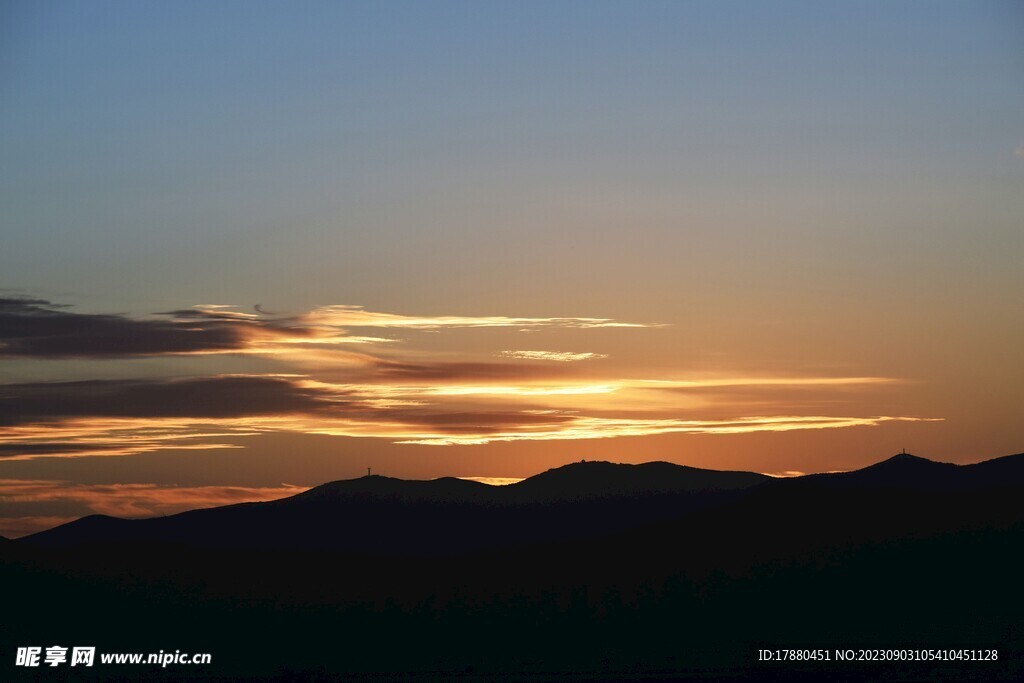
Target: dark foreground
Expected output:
[899,556]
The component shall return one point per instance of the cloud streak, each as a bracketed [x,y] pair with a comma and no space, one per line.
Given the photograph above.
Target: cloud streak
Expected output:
[37,328]
[583,427]
[415,398]
[203,397]
[115,417]
[357,316]
[494,481]
[560,356]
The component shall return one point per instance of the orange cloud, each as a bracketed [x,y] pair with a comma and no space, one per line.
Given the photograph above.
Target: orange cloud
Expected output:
[135,416]
[357,316]
[757,382]
[422,398]
[494,481]
[36,328]
[560,356]
[582,427]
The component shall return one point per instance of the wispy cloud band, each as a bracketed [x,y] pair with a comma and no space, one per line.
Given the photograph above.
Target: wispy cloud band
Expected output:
[37,328]
[560,356]
[123,416]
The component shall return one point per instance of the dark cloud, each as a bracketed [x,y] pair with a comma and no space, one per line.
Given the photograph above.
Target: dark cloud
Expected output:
[53,448]
[442,371]
[206,397]
[114,416]
[223,397]
[483,422]
[37,328]
[196,314]
[45,408]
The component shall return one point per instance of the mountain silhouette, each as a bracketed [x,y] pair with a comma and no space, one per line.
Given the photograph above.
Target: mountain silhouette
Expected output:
[598,479]
[903,470]
[379,514]
[385,515]
[1005,471]
[378,487]
[913,472]
[588,572]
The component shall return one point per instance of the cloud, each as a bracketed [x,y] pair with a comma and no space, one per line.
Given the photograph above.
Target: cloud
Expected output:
[422,398]
[80,438]
[37,328]
[494,481]
[586,427]
[1019,151]
[110,446]
[476,422]
[115,417]
[560,356]
[357,316]
[203,397]
[722,382]
[41,329]
[522,390]
[449,371]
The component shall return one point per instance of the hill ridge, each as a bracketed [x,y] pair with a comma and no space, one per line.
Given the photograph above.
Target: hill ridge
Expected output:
[380,514]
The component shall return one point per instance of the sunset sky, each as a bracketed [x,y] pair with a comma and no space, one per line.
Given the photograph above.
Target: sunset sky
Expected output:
[250,247]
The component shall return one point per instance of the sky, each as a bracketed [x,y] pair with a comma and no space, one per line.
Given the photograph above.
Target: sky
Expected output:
[250,247]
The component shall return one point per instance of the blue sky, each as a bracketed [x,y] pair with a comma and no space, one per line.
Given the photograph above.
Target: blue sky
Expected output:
[231,135]
[812,211]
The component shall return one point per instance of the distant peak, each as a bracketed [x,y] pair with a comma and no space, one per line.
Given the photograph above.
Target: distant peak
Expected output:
[907,463]
[905,457]
[606,464]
